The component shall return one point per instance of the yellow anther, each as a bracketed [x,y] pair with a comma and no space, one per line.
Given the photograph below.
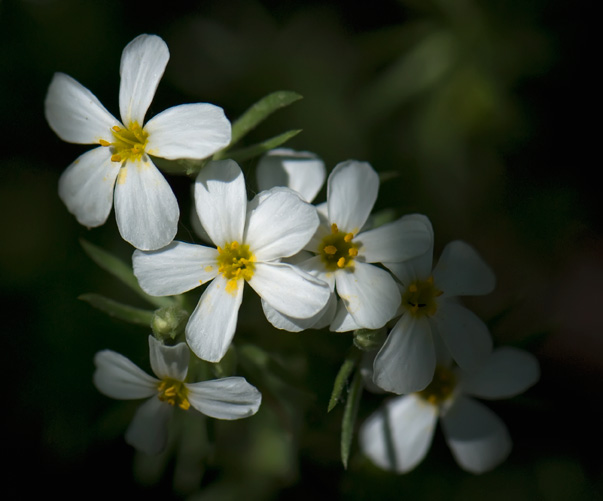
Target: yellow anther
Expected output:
[337,249]
[353,252]
[412,288]
[420,297]
[116,128]
[348,238]
[116,158]
[330,249]
[174,393]
[341,262]
[441,387]
[334,229]
[104,143]
[235,262]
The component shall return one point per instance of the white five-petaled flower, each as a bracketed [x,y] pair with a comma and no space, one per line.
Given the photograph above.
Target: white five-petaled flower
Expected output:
[429,306]
[251,239]
[398,435]
[345,256]
[121,167]
[118,377]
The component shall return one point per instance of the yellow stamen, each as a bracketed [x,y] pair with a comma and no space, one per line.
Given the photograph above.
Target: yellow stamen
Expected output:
[337,249]
[441,387]
[235,262]
[174,393]
[420,297]
[348,237]
[104,143]
[330,249]
[116,158]
[116,128]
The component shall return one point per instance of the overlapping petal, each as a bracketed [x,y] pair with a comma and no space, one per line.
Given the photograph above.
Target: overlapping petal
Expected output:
[75,114]
[169,361]
[228,398]
[175,269]
[118,377]
[143,62]
[148,431]
[86,186]
[188,131]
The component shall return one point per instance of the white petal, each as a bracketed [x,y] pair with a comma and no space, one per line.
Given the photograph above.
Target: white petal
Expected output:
[315,267]
[188,131]
[351,193]
[406,362]
[169,361]
[291,324]
[465,334]
[301,171]
[289,290]
[370,294]
[118,377]
[508,372]
[75,114]
[145,207]
[221,201]
[479,440]
[397,436]
[86,187]
[143,62]
[462,272]
[148,430]
[280,226]
[395,242]
[228,398]
[175,269]
[212,325]
[343,321]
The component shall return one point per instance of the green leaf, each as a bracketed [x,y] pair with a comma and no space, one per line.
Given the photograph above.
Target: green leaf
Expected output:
[122,271]
[342,377]
[119,310]
[349,417]
[261,148]
[260,111]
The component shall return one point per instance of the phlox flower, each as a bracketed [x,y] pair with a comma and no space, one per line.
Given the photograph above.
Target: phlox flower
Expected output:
[118,377]
[430,308]
[251,240]
[344,256]
[398,435]
[121,168]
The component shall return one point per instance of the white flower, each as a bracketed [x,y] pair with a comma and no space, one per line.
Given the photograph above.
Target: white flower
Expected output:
[118,377]
[344,254]
[301,171]
[398,435]
[430,310]
[145,208]
[251,239]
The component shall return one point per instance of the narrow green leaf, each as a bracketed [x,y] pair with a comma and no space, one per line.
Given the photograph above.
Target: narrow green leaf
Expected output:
[119,310]
[260,148]
[341,379]
[259,111]
[122,271]
[349,417]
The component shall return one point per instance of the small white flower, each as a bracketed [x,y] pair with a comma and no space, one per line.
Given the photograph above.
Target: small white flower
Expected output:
[120,168]
[398,435]
[430,310]
[251,240]
[118,377]
[345,255]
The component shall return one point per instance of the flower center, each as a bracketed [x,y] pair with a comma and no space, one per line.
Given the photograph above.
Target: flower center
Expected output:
[337,249]
[174,393]
[441,386]
[235,262]
[128,144]
[420,298]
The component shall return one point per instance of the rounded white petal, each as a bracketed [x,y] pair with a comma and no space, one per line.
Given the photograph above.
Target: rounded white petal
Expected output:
[175,269]
[148,431]
[406,361]
[301,171]
[370,294]
[212,325]
[343,321]
[221,201]
[169,361]
[146,209]
[228,398]
[462,272]
[351,193]
[315,267]
[397,436]
[465,334]
[507,372]
[188,131]
[118,377]
[289,290]
[478,438]
[291,324]
[86,186]
[75,114]
[395,242]
[143,62]
[280,226]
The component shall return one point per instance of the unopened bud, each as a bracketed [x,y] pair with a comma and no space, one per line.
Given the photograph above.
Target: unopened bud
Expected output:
[168,322]
[368,339]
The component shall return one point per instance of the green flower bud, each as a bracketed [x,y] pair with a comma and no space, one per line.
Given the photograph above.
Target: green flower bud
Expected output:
[168,322]
[368,339]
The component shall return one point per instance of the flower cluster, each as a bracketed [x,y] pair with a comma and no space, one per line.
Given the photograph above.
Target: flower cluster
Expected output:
[313,266]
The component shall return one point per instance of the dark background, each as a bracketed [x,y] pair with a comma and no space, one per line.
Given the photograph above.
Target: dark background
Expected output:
[485,113]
